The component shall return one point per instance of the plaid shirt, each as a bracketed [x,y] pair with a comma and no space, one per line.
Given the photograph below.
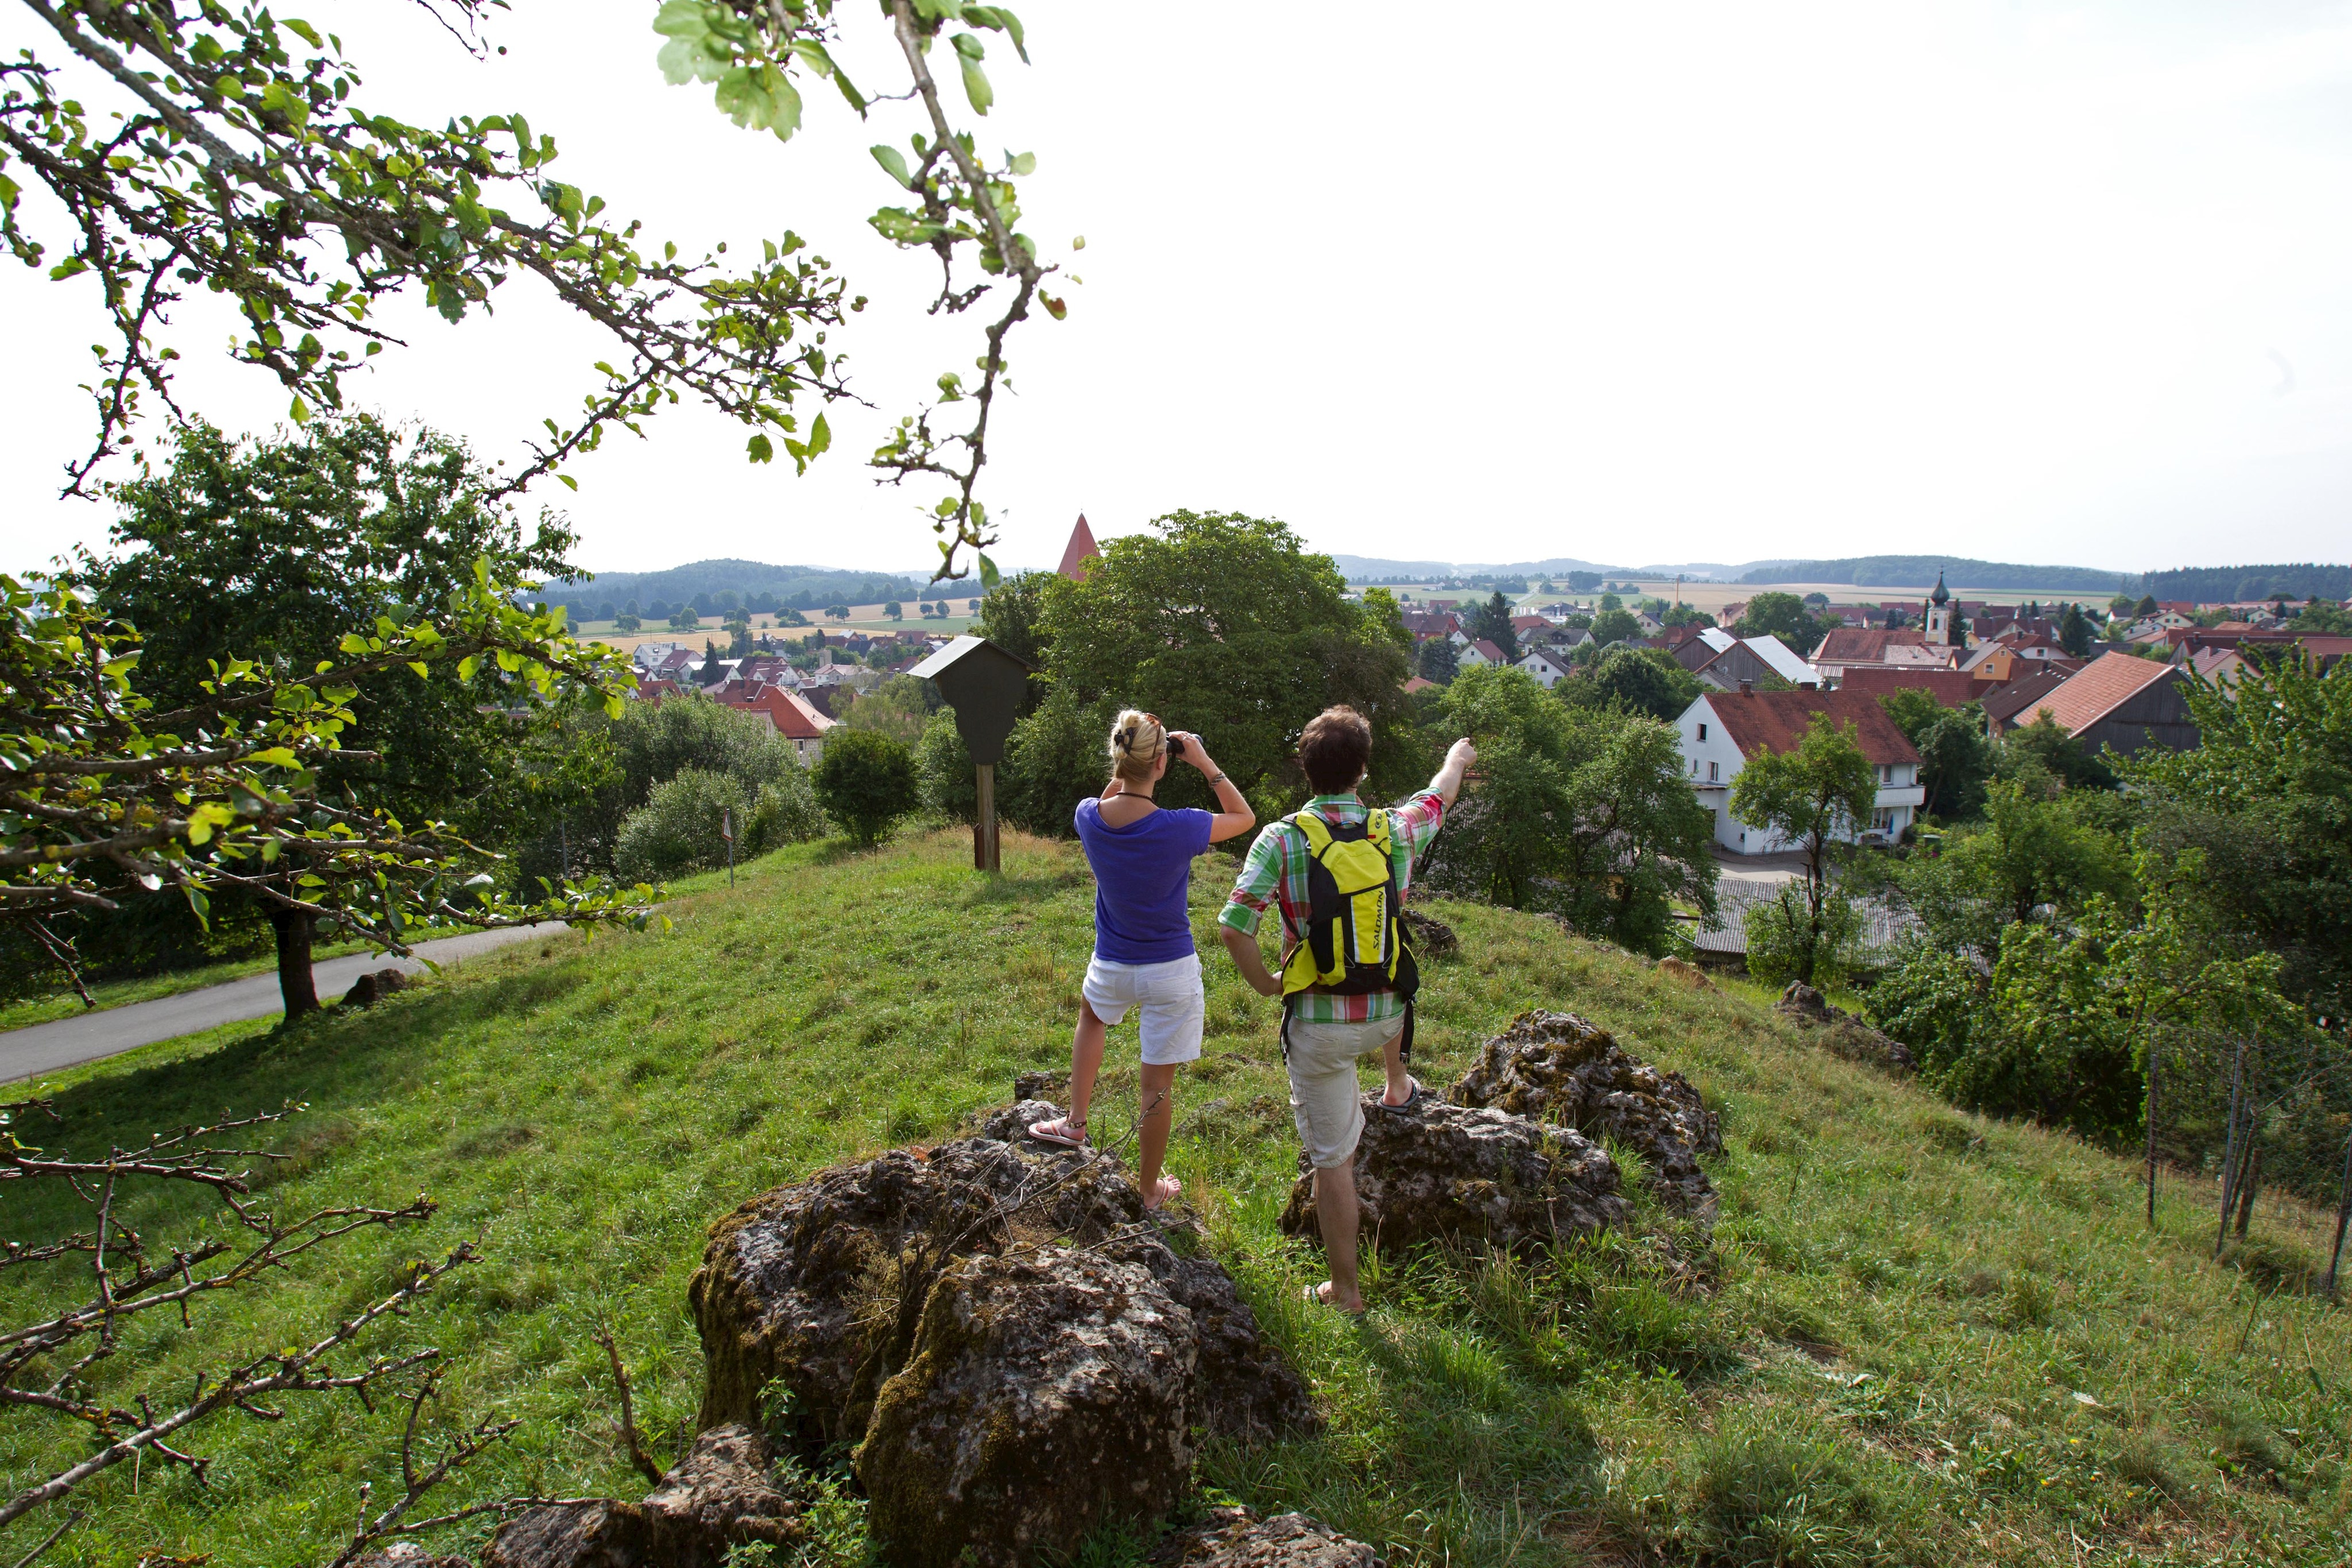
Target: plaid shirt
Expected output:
[1275,873]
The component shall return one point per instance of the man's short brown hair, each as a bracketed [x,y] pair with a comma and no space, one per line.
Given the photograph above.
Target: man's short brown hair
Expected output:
[1334,748]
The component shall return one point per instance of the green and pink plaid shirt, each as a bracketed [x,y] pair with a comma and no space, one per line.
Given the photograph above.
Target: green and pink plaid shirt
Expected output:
[1275,873]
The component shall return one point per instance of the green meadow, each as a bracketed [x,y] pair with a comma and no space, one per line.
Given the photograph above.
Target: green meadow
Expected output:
[1915,1336]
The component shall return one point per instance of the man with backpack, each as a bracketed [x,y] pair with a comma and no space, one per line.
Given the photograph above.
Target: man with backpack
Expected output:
[1336,871]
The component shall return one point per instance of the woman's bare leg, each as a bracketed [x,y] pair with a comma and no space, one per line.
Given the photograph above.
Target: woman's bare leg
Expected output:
[1086,1062]
[1159,1110]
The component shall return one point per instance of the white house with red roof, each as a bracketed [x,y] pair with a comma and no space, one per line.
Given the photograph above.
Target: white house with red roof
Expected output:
[1480,653]
[788,713]
[1722,731]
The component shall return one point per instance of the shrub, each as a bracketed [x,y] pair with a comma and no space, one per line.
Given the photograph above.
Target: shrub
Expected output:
[677,830]
[943,770]
[866,781]
[1053,760]
[1780,937]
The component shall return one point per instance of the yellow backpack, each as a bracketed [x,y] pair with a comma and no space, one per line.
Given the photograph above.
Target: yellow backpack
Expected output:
[1355,939]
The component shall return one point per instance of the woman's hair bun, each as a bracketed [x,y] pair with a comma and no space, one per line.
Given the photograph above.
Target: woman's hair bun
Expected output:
[1136,739]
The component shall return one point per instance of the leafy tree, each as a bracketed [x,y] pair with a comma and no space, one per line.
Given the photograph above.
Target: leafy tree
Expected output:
[1913,710]
[1645,681]
[2043,752]
[2321,619]
[1610,601]
[1491,622]
[836,613]
[943,767]
[1585,813]
[1781,615]
[1686,615]
[2264,805]
[1613,624]
[2074,633]
[1790,938]
[1054,757]
[1815,796]
[684,619]
[894,610]
[899,708]
[1817,601]
[2031,859]
[681,828]
[1224,624]
[866,781]
[106,795]
[626,622]
[1955,760]
[1437,660]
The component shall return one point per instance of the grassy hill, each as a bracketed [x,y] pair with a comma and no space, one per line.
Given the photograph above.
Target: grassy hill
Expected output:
[1920,1337]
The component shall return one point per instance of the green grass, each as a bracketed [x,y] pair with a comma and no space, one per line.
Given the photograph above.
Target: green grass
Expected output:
[1919,1337]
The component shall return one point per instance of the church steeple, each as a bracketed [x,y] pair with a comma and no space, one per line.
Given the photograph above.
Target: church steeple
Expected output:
[1941,595]
[1940,627]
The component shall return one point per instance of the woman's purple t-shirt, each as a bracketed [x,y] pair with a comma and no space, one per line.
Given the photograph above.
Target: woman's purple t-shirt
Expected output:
[1142,872]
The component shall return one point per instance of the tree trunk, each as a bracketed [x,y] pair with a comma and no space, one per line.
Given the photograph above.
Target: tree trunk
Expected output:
[295,984]
[2246,1188]
[2230,1149]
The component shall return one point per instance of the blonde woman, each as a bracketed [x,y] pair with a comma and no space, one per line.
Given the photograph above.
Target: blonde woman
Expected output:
[1142,859]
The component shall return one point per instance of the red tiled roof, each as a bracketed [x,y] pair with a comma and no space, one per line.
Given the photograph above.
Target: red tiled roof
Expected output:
[1949,687]
[1863,645]
[1417,683]
[1757,722]
[1493,652]
[2095,691]
[1529,623]
[792,715]
[2006,702]
[1078,551]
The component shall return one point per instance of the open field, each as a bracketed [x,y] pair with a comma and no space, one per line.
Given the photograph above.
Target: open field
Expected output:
[1919,1337]
[1712,597]
[867,618]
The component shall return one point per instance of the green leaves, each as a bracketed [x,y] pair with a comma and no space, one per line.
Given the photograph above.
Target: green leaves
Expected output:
[759,98]
[976,88]
[761,449]
[1000,19]
[696,51]
[894,163]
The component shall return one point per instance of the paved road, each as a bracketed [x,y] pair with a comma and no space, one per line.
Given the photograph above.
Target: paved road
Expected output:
[68,1042]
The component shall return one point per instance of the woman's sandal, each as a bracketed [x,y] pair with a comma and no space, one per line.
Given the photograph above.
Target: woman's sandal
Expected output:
[1174,1189]
[1061,1132]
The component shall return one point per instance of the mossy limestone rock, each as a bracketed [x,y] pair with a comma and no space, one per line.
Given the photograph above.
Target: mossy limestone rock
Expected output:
[1557,1067]
[1237,1538]
[1047,1394]
[819,1288]
[1455,1173]
[720,1496]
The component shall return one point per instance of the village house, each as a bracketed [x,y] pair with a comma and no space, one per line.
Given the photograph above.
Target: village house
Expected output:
[1737,660]
[1479,655]
[1722,731]
[2118,702]
[788,713]
[1548,667]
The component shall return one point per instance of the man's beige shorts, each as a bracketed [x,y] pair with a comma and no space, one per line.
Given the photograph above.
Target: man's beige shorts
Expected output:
[1325,1100]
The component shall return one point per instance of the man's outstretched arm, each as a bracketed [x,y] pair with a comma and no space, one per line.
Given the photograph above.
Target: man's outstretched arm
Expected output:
[1448,782]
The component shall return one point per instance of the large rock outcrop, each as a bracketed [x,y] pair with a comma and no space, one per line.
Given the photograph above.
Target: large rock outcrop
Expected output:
[1048,1393]
[722,1495]
[1557,1067]
[820,1287]
[1453,1173]
[1237,1538]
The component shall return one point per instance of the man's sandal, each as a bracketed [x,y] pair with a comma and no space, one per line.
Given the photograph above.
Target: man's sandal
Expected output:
[1061,1132]
[1411,1101]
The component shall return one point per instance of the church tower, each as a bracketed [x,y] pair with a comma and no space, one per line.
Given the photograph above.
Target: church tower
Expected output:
[1942,627]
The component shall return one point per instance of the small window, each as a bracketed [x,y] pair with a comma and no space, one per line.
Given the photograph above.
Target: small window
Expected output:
[1702,732]
[1714,772]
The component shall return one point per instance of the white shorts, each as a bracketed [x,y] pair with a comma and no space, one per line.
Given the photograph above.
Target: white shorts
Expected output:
[1173,1006]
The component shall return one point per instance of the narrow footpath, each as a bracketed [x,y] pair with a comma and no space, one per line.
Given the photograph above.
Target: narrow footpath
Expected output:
[69,1041]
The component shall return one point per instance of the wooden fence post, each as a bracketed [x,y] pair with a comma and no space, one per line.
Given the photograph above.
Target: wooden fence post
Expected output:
[2230,1149]
[984,856]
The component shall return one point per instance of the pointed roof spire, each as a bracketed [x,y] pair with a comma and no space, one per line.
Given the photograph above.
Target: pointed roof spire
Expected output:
[1078,551]
[1941,595]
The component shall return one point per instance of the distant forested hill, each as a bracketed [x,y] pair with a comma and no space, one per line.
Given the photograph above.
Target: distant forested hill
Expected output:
[2225,584]
[800,586]
[1919,571]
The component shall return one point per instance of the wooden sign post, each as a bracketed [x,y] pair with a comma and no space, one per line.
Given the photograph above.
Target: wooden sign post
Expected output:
[984,684]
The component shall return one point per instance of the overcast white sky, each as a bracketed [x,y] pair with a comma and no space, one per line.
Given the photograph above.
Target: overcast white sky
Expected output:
[2065,283]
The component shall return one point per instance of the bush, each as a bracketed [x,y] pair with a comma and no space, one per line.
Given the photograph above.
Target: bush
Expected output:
[1779,932]
[943,770]
[866,781]
[677,830]
[785,812]
[1055,759]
